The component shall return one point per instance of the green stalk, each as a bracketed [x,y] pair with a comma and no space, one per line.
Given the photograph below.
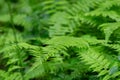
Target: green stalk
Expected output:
[15,38]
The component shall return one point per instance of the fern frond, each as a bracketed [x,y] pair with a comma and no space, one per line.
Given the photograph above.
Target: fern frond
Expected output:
[78,11]
[109,28]
[36,70]
[111,14]
[91,59]
[104,69]
[56,47]
[109,4]
[60,25]
[19,19]
[8,76]
[92,40]
[50,6]
[67,41]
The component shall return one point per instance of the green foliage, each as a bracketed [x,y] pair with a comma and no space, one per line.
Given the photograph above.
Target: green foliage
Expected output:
[59,40]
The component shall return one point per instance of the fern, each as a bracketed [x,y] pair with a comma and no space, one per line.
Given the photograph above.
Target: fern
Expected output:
[95,62]
[19,19]
[56,45]
[107,69]
[59,25]
[60,39]
[109,28]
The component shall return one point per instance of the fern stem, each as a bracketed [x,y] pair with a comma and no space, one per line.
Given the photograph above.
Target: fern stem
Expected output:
[15,38]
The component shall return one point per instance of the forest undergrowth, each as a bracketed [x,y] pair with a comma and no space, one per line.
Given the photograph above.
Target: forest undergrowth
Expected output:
[59,39]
